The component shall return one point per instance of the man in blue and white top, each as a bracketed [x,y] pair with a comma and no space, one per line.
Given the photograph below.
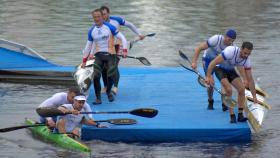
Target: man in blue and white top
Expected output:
[70,123]
[213,47]
[101,44]
[117,21]
[234,56]
[59,99]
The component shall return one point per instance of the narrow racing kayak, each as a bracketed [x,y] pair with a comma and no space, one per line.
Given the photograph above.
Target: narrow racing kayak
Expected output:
[256,113]
[83,76]
[61,140]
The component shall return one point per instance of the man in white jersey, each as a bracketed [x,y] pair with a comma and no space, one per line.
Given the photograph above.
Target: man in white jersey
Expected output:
[234,56]
[59,99]
[70,123]
[101,44]
[117,22]
[213,47]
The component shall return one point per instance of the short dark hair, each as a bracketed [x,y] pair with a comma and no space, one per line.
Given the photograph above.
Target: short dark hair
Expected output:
[96,10]
[105,8]
[247,45]
[75,90]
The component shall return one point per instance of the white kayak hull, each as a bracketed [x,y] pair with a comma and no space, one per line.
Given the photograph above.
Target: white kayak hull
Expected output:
[256,113]
[83,76]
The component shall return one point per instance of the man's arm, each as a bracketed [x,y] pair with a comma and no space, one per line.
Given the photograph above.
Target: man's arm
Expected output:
[197,50]
[219,59]
[120,36]
[248,73]
[60,125]
[132,28]
[241,71]
[88,48]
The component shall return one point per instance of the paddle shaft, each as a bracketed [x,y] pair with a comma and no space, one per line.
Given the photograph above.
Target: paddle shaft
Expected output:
[138,39]
[129,57]
[111,121]
[147,35]
[199,75]
[143,60]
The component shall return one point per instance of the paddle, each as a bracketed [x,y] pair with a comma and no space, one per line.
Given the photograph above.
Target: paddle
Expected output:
[143,60]
[122,121]
[201,80]
[136,40]
[144,112]
[8,129]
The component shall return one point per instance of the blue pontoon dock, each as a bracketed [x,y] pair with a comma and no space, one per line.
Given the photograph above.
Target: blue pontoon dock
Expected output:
[174,92]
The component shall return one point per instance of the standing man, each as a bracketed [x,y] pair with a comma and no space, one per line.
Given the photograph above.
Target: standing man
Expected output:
[101,44]
[213,47]
[117,22]
[234,56]
[69,123]
[59,99]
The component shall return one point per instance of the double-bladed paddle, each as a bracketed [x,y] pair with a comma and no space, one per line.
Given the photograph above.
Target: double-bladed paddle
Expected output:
[201,80]
[136,40]
[123,121]
[144,112]
[143,60]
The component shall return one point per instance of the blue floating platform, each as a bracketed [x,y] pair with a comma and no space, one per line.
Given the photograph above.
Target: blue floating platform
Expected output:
[182,106]
[18,66]
[174,92]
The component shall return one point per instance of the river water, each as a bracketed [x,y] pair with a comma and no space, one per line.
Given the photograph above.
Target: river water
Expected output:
[58,31]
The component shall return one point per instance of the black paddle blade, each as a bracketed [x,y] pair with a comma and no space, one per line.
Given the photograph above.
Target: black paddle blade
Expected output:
[192,70]
[201,81]
[182,55]
[144,61]
[151,34]
[49,112]
[144,112]
[120,121]
[8,129]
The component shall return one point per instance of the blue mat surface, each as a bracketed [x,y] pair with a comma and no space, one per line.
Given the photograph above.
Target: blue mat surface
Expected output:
[15,61]
[181,102]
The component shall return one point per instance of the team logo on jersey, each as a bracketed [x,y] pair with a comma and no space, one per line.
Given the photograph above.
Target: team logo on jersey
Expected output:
[99,32]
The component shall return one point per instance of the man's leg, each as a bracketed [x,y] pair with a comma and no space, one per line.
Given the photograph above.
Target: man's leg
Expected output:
[110,75]
[98,67]
[210,89]
[104,78]
[237,83]
[228,91]
[116,77]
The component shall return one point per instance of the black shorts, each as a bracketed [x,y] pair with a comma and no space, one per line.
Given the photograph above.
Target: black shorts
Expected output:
[221,74]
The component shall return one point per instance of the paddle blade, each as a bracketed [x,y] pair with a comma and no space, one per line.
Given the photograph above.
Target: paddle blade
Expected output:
[202,82]
[8,129]
[120,121]
[151,34]
[131,44]
[144,61]
[49,112]
[187,68]
[144,112]
[182,55]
